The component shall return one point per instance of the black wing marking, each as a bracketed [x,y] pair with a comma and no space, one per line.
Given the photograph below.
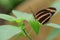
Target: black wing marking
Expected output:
[44,18]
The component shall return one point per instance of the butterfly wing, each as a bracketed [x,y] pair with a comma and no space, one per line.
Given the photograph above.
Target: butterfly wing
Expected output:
[43,16]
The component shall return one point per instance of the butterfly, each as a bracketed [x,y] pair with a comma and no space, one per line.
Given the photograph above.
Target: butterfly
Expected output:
[44,15]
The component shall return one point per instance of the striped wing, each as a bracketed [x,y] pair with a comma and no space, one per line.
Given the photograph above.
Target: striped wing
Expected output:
[43,17]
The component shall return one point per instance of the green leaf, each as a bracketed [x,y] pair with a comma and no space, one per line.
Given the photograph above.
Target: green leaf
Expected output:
[53,25]
[35,25]
[7,17]
[53,34]
[7,31]
[23,15]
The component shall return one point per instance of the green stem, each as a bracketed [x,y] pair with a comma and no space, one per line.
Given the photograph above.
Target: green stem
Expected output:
[30,32]
[22,26]
[17,36]
[27,35]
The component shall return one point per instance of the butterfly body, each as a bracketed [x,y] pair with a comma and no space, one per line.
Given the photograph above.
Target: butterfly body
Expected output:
[44,15]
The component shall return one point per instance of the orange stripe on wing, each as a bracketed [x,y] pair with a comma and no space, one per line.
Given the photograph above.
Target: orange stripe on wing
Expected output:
[47,18]
[38,14]
[41,16]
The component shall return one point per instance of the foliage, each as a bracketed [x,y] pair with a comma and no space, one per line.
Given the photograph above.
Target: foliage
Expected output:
[35,25]
[20,17]
[55,32]
[7,31]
